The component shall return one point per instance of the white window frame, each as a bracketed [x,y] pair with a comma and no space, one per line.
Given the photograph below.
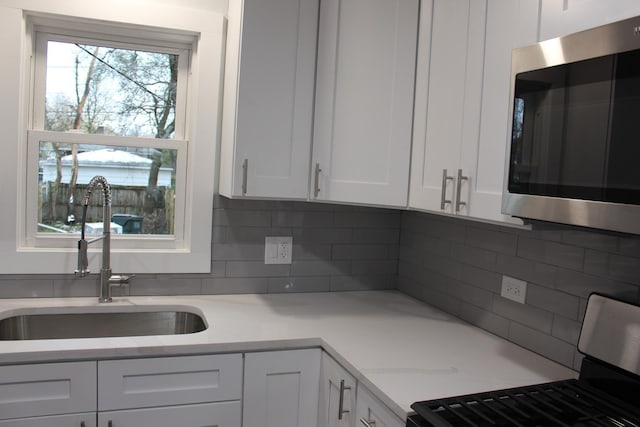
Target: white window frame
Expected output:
[25,250]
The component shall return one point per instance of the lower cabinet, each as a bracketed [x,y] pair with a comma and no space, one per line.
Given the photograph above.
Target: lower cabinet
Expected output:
[171,391]
[219,414]
[281,388]
[337,400]
[290,388]
[48,394]
[346,403]
[370,412]
[71,420]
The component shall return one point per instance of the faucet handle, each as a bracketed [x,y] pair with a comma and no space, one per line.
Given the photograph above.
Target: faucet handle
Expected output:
[120,280]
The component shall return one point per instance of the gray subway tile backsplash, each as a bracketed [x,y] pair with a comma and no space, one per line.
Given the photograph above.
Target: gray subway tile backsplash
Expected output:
[566,329]
[299,284]
[561,264]
[542,343]
[549,252]
[27,288]
[553,300]
[234,285]
[532,317]
[335,247]
[494,240]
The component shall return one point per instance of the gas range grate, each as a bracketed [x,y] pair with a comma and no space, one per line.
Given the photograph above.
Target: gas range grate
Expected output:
[561,403]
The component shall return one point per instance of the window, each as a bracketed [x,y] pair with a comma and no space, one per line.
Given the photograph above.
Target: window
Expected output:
[135,103]
[110,90]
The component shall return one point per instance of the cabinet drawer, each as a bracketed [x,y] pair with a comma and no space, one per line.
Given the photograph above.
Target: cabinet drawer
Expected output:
[47,389]
[73,420]
[219,414]
[143,383]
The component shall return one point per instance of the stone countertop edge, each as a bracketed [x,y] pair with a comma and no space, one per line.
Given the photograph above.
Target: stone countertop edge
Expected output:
[401,349]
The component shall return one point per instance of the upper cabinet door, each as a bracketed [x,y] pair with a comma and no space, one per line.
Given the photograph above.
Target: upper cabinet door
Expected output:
[509,24]
[562,17]
[448,91]
[364,101]
[268,98]
[462,103]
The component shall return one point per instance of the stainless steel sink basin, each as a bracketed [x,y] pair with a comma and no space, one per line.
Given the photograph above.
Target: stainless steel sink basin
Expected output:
[99,324]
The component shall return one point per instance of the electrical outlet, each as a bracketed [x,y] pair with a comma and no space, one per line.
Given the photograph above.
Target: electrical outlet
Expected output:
[277,250]
[514,289]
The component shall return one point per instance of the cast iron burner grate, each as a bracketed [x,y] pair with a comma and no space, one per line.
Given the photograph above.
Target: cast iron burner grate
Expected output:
[562,403]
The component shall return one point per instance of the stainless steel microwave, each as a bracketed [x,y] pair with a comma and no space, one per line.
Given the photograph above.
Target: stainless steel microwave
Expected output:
[574,156]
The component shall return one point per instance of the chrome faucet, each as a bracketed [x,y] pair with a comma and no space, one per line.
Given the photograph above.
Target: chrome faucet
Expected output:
[107,280]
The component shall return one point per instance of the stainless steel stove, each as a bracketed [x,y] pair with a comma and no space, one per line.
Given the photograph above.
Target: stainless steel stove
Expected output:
[607,392]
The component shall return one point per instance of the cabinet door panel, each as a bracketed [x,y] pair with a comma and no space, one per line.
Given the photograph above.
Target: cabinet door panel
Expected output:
[141,383]
[440,103]
[268,108]
[509,24]
[332,375]
[74,420]
[47,389]
[281,389]
[364,100]
[222,414]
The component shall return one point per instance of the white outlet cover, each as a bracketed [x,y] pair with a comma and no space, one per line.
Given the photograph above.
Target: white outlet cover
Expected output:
[514,289]
[278,249]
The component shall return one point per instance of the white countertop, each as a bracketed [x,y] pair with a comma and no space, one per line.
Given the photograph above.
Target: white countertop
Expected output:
[399,348]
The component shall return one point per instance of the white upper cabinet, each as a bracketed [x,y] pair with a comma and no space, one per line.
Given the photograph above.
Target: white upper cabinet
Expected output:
[562,17]
[462,103]
[268,98]
[364,101]
[448,91]
[510,24]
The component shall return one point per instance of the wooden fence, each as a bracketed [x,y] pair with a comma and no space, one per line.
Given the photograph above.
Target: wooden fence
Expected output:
[124,200]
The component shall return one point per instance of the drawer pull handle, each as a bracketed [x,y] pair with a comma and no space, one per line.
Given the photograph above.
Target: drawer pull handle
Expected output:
[367,423]
[110,423]
[82,424]
[341,410]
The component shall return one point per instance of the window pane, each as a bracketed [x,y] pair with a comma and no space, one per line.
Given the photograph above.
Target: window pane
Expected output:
[96,89]
[142,182]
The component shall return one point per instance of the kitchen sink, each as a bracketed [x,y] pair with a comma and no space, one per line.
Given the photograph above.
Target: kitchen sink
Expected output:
[99,324]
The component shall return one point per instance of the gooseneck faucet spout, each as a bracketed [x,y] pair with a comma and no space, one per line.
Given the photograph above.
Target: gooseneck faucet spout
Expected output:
[107,280]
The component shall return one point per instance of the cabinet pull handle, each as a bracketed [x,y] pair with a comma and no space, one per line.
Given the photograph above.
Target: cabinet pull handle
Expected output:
[110,423]
[245,171]
[82,424]
[367,423]
[341,410]
[443,196]
[316,184]
[460,203]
